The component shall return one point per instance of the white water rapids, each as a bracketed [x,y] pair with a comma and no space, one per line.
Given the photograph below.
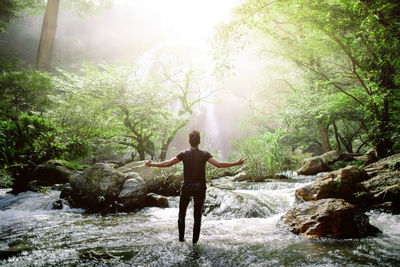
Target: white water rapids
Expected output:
[46,237]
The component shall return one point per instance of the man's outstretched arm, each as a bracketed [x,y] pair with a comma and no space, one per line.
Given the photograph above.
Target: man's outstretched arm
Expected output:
[163,164]
[220,164]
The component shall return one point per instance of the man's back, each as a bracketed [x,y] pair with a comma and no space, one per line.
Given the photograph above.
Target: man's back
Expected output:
[194,165]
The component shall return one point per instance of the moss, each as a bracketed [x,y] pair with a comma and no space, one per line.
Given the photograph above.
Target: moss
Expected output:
[72,165]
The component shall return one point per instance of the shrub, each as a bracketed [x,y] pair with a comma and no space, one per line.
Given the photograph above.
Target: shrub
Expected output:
[263,152]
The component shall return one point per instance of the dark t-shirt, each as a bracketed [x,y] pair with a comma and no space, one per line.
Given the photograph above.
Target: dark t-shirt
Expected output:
[194,165]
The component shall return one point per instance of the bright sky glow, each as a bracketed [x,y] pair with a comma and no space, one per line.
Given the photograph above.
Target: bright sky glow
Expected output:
[187,21]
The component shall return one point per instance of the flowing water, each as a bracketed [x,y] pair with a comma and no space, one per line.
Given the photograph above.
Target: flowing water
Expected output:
[229,237]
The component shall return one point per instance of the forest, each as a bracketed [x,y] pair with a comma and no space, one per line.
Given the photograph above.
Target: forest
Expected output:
[92,89]
[328,79]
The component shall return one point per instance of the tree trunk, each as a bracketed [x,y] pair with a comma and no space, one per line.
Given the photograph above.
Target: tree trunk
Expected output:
[163,153]
[338,147]
[142,154]
[168,140]
[383,144]
[48,36]
[323,133]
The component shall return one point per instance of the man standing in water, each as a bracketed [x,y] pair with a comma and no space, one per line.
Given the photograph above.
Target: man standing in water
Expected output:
[194,181]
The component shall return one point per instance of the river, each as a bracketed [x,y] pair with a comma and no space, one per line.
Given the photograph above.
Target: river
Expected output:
[229,237]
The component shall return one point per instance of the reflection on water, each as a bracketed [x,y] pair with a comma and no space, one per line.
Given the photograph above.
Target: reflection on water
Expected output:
[42,237]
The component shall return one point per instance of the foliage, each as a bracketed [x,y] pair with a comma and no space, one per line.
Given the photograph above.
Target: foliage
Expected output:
[29,140]
[6,180]
[263,153]
[114,106]
[9,10]
[344,48]
[23,90]
[72,165]
[341,164]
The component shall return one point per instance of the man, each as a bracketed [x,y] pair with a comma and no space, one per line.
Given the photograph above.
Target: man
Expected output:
[194,181]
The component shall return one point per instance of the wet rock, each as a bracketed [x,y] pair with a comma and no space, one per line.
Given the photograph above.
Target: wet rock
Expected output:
[384,163]
[382,192]
[313,166]
[353,174]
[154,200]
[57,205]
[162,185]
[68,193]
[224,183]
[101,188]
[280,177]
[5,254]
[242,176]
[330,157]
[96,255]
[133,193]
[51,173]
[334,218]
[228,204]
[343,183]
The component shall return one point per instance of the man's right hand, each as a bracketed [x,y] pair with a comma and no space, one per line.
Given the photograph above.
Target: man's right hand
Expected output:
[241,161]
[148,163]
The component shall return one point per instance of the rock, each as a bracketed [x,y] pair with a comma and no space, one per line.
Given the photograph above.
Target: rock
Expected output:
[57,205]
[96,255]
[280,177]
[228,204]
[133,193]
[313,166]
[154,200]
[333,218]
[353,174]
[385,162]
[101,188]
[330,157]
[50,173]
[224,183]
[162,185]
[381,189]
[242,176]
[370,157]
[343,183]
[68,194]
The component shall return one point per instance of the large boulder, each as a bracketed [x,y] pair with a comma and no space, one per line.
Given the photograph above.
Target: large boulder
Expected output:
[343,183]
[154,200]
[242,176]
[330,157]
[168,185]
[313,166]
[382,192]
[334,218]
[322,163]
[51,173]
[133,193]
[229,204]
[100,188]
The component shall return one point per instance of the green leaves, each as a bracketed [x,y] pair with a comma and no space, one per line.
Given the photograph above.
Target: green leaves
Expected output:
[264,154]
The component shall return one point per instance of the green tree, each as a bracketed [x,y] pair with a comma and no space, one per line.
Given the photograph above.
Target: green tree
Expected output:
[346,45]
[9,10]
[113,105]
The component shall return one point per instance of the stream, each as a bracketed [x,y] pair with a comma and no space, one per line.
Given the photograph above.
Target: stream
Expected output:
[45,237]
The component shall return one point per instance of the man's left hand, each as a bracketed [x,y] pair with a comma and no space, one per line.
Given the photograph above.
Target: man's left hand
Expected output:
[148,163]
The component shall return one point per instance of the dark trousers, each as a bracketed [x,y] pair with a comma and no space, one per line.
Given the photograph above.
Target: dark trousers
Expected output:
[198,192]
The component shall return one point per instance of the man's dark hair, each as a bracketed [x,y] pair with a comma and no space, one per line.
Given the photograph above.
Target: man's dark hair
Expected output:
[194,138]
